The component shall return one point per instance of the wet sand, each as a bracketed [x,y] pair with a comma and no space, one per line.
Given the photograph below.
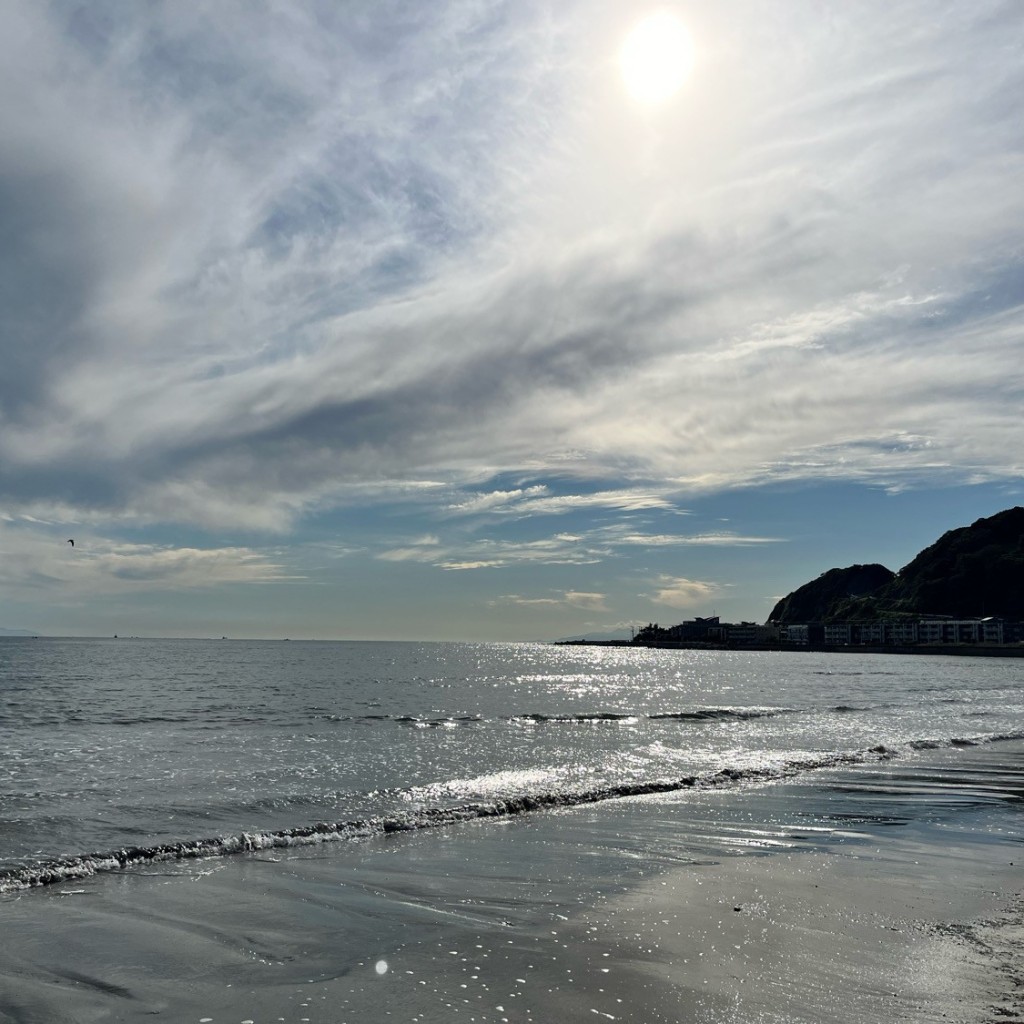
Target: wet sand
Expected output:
[892,895]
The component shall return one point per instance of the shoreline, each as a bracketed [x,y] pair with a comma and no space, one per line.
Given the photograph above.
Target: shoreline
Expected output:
[948,650]
[810,936]
[768,904]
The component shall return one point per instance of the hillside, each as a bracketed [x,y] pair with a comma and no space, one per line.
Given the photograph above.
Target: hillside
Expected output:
[822,598]
[975,570]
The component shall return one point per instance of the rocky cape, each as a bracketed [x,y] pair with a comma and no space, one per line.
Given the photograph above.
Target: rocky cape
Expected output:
[976,570]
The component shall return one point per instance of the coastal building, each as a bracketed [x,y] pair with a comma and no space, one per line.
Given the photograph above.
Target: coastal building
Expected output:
[697,630]
[712,631]
[933,630]
[950,631]
[901,632]
[796,634]
[745,634]
[872,633]
[838,633]
[992,631]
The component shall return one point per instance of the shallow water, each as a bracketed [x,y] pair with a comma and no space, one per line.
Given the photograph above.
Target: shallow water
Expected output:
[119,752]
[835,896]
[443,832]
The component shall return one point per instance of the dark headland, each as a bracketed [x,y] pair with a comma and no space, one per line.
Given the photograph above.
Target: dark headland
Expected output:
[976,570]
[963,594]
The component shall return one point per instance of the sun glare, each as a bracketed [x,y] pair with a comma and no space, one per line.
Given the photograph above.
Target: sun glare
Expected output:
[656,58]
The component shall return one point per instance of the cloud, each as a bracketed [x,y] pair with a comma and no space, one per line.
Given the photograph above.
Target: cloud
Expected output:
[727,540]
[186,567]
[594,602]
[262,264]
[493,553]
[496,563]
[537,500]
[496,500]
[623,501]
[422,549]
[680,592]
[585,547]
[409,554]
[557,550]
[30,558]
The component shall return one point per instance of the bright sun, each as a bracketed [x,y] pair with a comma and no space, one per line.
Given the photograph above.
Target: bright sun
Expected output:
[656,57]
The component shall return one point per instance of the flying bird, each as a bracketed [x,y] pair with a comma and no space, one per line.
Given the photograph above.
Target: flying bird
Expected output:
[71,541]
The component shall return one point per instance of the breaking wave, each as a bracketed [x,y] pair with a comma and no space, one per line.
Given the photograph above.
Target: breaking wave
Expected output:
[722,714]
[86,865]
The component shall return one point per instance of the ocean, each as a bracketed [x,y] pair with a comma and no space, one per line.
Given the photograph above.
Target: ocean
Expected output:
[303,810]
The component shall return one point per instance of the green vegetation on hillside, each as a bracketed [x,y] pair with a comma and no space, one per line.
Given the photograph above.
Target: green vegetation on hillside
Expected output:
[975,570]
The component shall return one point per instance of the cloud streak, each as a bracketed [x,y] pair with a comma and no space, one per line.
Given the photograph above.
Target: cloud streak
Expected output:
[493,553]
[31,558]
[584,601]
[716,540]
[537,500]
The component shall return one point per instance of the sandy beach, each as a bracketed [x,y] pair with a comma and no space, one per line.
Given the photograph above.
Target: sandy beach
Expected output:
[763,904]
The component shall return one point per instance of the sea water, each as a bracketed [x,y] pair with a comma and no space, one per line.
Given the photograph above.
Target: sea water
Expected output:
[119,753]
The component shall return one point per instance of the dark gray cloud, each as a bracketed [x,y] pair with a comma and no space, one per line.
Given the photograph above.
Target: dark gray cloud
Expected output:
[47,279]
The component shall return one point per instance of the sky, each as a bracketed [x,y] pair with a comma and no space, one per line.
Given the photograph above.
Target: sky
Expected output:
[429,321]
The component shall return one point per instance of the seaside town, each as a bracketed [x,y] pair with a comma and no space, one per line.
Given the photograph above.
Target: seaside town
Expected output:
[930,631]
[927,605]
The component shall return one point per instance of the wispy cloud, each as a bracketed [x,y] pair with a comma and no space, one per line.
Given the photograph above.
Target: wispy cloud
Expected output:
[548,551]
[717,540]
[30,558]
[585,547]
[421,549]
[489,553]
[497,501]
[537,500]
[591,602]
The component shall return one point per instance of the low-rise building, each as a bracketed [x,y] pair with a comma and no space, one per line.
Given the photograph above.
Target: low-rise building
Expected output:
[743,634]
[796,634]
[992,631]
[905,632]
[931,631]
[697,630]
[871,633]
[901,632]
[838,633]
